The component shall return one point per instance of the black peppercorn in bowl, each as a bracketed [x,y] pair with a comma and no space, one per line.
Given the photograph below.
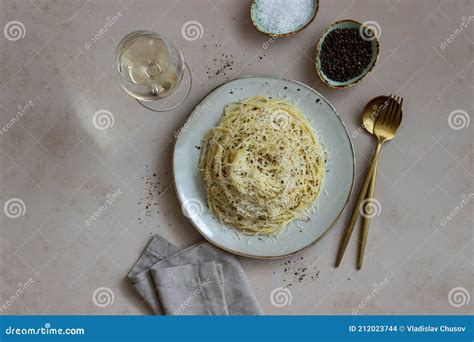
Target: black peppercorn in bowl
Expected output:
[346,53]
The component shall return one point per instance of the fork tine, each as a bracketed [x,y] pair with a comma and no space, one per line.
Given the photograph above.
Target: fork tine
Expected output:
[382,115]
[395,109]
[394,121]
[386,114]
[390,105]
[398,117]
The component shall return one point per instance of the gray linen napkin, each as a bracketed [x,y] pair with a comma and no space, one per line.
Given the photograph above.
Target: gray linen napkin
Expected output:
[199,280]
[140,277]
[192,289]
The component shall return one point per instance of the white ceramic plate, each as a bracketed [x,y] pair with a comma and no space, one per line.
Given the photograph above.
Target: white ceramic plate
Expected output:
[339,168]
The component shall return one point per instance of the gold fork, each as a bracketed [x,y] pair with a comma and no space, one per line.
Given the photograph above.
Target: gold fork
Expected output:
[385,129]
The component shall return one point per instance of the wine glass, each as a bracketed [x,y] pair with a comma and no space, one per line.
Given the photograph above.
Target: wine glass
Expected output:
[151,69]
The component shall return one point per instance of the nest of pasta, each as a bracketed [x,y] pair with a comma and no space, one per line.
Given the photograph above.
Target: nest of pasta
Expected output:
[262,165]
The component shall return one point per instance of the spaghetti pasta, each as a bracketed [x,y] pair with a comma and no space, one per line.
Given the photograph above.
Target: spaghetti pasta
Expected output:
[263,166]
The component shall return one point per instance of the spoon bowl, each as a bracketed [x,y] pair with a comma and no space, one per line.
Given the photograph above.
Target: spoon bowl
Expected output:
[372,110]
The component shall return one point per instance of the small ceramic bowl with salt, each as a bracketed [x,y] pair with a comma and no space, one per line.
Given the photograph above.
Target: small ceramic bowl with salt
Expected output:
[282,18]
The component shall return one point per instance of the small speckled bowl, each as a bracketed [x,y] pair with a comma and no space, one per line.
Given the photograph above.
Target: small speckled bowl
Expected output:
[363,29]
[259,26]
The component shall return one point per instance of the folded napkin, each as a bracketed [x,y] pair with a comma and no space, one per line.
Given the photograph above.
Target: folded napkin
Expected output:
[199,280]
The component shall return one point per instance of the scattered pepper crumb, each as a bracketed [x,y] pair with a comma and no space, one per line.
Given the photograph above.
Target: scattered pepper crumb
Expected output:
[155,186]
[298,271]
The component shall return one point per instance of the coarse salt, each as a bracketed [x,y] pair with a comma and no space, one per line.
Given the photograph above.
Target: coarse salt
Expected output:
[284,16]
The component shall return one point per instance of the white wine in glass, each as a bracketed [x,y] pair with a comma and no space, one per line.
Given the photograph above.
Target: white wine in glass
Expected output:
[150,66]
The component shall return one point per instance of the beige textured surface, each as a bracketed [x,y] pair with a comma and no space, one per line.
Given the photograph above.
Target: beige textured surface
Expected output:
[62,168]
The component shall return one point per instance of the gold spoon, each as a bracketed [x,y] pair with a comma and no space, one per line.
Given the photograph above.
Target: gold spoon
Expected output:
[385,129]
[369,115]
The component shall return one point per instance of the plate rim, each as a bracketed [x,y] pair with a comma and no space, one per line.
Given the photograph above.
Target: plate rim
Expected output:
[265,257]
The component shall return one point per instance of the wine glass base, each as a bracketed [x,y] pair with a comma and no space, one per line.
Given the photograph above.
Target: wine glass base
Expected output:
[175,99]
